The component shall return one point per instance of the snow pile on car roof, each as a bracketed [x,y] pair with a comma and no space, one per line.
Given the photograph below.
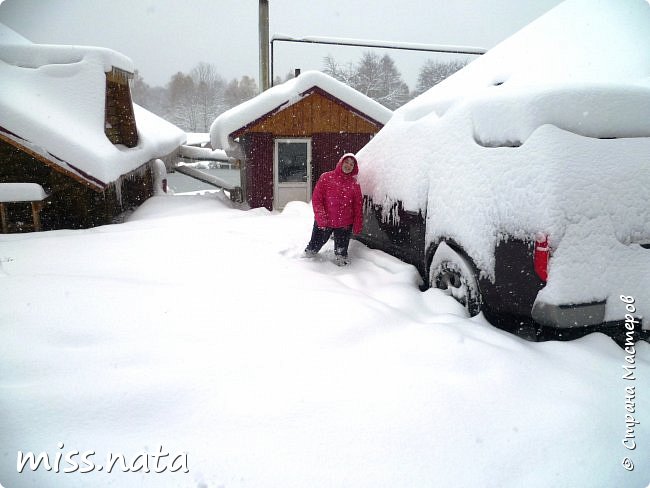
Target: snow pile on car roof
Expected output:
[548,72]
[603,110]
[578,41]
[10,36]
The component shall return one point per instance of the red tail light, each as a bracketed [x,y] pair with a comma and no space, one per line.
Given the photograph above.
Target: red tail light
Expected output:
[541,256]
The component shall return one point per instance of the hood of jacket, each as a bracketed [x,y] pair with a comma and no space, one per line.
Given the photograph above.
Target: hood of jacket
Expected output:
[339,166]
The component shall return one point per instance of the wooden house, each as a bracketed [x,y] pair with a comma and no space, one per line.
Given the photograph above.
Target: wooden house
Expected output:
[289,135]
[68,125]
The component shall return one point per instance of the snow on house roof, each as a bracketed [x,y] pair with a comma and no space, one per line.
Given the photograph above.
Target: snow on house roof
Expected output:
[288,93]
[42,55]
[21,192]
[52,102]
[155,134]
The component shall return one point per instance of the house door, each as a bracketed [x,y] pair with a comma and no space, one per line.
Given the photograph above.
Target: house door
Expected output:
[291,171]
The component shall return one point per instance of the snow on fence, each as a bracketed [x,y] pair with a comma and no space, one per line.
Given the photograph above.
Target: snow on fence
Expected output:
[193,153]
[235,192]
[29,193]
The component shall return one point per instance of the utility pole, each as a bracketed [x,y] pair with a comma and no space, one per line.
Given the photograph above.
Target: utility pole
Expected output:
[265,83]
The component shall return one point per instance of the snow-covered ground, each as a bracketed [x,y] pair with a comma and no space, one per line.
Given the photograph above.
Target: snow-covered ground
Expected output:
[199,328]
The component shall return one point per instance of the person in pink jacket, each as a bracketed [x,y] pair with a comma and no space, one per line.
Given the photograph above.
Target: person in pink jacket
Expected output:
[338,209]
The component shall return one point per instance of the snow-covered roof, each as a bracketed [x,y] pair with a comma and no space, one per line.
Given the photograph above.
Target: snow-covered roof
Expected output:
[156,135]
[288,93]
[21,192]
[52,101]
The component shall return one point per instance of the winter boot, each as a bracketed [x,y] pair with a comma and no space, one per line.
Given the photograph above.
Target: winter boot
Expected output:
[342,260]
[309,253]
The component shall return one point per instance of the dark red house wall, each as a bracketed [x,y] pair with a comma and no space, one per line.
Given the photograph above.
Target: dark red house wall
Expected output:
[327,149]
[258,147]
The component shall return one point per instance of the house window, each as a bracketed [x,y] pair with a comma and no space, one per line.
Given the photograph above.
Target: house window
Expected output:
[119,124]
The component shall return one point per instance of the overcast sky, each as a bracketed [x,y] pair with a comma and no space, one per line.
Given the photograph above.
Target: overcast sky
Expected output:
[166,36]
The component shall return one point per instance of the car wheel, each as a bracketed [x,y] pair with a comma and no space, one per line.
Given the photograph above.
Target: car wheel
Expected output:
[455,276]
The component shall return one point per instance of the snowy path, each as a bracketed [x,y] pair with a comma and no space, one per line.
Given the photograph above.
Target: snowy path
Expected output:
[199,328]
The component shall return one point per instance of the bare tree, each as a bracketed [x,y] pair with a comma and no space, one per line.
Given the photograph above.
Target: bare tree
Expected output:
[183,110]
[367,75]
[375,76]
[208,94]
[394,92]
[237,92]
[345,74]
[140,90]
[433,72]
[155,99]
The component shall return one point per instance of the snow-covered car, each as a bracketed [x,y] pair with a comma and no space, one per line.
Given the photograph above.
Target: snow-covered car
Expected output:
[521,184]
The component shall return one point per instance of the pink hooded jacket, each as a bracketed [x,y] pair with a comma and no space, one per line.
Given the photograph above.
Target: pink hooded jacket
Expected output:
[337,199]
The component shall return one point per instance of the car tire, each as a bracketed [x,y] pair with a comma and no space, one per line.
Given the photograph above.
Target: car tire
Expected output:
[452,273]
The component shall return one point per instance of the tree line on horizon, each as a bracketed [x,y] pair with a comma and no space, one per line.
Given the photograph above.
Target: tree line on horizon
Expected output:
[193,100]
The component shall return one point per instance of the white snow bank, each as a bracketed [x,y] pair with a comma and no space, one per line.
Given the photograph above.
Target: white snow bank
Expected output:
[21,192]
[52,99]
[250,359]
[289,93]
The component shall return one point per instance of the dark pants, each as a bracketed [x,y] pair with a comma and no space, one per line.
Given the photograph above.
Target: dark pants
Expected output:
[320,236]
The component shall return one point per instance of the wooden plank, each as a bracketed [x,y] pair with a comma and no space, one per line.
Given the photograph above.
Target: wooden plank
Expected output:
[36,215]
[3,218]
[97,185]
[313,114]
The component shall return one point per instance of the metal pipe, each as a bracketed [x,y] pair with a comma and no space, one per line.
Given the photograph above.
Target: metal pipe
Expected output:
[264,45]
[271,67]
[386,45]
[409,46]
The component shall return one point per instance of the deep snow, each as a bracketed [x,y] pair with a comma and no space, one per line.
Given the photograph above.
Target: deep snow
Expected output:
[199,327]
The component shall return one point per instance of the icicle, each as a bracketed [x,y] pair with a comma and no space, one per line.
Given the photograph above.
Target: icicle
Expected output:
[390,211]
[118,191]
